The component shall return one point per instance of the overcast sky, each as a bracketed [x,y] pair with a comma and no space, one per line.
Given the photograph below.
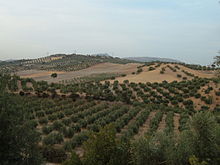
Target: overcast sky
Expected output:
[187,30]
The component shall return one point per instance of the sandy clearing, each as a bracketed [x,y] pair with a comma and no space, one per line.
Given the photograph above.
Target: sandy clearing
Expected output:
[96,69]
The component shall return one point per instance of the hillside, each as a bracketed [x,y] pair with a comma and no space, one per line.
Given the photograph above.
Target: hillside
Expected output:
[158,72]
[139,99]
[102,68]
[65,114]
[152,72]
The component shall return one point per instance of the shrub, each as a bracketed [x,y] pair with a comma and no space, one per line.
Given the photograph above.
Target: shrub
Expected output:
[123,75]
[179,75]
[43,120]
[188,102]
[40,114]
[57,125]
[53,138]
[151,68]
[68,132]
[197,95]
[54,155]
[47,129]
[54,75]
[208,100]
[74,160]
[139,70]
[52,117]
[217,93]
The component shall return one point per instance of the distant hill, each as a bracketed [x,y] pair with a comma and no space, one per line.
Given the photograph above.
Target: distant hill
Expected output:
[61,62]
[102,55]
[10,60]
[151,59]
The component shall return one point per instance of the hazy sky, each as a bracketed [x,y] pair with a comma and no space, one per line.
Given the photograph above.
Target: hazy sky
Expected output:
[188,30]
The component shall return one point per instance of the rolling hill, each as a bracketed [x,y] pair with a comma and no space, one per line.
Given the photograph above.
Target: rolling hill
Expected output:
[141,100]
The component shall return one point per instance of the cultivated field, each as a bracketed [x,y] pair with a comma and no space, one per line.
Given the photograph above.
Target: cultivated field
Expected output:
[147,100]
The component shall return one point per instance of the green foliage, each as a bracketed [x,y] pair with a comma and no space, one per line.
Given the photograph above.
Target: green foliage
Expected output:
[54,155]
[169,122]
[194,161]
[200,143]
[54,75]
[102,148]
[151,68]
[73,117]
[74,160]
[139,70]
[179,75]
[155,150]
[60,62]
[203,134]
[53,138]
[154,123]
[18,138]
